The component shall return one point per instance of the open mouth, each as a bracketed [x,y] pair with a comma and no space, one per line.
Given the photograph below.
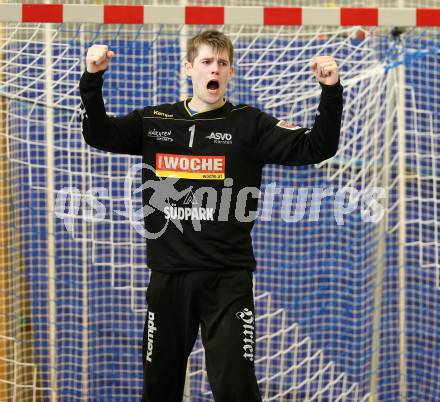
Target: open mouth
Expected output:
[213,85]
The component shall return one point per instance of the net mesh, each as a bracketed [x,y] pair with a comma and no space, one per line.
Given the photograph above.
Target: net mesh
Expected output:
[333,290]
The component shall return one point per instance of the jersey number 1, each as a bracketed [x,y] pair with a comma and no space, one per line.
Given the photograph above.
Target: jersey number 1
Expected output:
[192,130]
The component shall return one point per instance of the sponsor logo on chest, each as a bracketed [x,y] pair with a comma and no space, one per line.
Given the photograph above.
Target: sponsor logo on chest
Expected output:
[202,167]
[220,138]
[164,136]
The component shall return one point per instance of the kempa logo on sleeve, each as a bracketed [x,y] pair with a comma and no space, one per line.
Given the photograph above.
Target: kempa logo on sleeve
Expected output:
[200,167]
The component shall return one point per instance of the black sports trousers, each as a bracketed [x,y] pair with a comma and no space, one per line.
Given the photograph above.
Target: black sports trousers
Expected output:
[221,302]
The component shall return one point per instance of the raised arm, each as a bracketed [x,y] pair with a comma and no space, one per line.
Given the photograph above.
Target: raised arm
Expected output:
[279,142]
[113,134]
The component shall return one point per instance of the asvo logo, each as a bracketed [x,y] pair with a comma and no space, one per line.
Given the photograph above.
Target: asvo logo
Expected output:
[220,138]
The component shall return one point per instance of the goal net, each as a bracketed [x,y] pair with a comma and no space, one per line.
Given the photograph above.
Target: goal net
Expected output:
[348,279]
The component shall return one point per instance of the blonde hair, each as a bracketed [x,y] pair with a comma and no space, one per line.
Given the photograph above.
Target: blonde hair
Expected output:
[217,40]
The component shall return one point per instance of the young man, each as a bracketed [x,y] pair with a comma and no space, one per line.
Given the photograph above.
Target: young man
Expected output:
[202,262]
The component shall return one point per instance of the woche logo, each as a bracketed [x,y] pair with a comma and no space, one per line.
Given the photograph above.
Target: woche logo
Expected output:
[190,166]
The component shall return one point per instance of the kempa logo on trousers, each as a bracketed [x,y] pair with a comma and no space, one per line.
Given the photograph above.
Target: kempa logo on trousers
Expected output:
[247,317]
[220,138]
[150,335]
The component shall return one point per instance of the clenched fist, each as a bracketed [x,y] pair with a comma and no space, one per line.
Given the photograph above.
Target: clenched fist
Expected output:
[325,69]
[98,58]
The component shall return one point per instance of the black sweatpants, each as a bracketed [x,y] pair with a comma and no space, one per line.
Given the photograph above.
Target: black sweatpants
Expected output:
[222,303]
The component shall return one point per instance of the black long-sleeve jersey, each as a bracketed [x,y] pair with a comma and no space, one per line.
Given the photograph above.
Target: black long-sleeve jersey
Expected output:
[202,172]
